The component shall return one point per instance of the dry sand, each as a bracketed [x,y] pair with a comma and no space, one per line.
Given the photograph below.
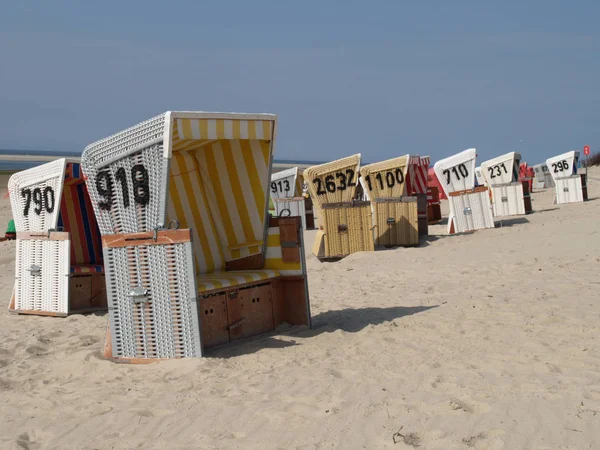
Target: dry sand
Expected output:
[484,341]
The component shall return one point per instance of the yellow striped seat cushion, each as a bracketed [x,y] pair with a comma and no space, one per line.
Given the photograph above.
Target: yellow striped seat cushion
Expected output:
[211,281]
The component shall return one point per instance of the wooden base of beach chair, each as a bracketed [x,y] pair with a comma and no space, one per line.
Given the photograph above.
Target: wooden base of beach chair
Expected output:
[470,210]
[87,293]
[251,310]
[347,229]
[434,213]
[397,221]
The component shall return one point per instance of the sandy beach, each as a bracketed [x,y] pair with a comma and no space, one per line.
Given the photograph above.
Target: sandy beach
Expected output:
[487,340]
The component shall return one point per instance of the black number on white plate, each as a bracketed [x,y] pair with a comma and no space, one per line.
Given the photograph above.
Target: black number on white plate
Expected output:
[344,180]
[280,186]
[44,200]
[391,178]
[495,170]
[560,166]
[460,172]
[106,187]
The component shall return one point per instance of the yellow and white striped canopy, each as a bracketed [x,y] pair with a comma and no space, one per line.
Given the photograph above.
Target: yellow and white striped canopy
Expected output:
[218,186]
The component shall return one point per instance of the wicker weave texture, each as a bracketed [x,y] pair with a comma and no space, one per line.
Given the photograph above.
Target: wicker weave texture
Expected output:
[47,288]
[558,168]
[396,222]
[471,211]
[333,182]
[386,178]
[35,196]
[348,229]
[129,192]
[285,184]
[502,169]
[165,323]
[569,190]
[507,199]
[457,172]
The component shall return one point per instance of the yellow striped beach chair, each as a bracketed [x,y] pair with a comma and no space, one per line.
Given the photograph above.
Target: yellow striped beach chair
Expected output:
[344,223]
[395,215]
[193,259]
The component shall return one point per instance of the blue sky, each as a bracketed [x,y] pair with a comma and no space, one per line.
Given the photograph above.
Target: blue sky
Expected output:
[383,78]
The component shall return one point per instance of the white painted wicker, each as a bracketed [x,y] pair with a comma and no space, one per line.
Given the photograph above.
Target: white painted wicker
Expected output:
[457,172]
[503,169]
[153,310]
[35,196]
[111,166]
[42,275]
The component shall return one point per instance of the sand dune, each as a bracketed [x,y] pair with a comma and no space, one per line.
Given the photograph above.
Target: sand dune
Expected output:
[486,341]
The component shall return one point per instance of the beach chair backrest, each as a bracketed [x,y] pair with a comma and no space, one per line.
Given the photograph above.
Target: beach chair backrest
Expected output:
[540,172]
[479,177]
[333,182]
[502,170]
[432,181]
[416,177]
[35,196]
[285,184]
[564,165]
[385,179]
[210,172]
[457,172]
[126,176]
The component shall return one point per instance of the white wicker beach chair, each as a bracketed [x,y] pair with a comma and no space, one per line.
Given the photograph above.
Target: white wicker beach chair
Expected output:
[174,292]
[59,268]
[287,194]
[510,196]
[470,207]
[570,187]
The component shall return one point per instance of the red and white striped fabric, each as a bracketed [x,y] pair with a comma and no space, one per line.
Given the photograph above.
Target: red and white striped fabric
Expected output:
[416,182]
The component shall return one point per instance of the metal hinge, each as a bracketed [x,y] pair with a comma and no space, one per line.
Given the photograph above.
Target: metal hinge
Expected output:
[505,199]
[390,221]
[35,270]
[168,227]
[139,294]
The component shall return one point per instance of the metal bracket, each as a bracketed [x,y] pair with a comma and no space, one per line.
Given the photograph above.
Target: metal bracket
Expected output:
[565,189]
[342,227]
[35,270]
[467,211]
[390,221]
[52,230]
[505,199]
[168,227]
[139,294]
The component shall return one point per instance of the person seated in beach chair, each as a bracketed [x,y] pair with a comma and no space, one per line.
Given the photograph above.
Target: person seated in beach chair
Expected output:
[230,271]
[59,267]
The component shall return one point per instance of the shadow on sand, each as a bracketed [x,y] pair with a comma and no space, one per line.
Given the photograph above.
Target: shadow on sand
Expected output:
[348,320]
[510,222]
